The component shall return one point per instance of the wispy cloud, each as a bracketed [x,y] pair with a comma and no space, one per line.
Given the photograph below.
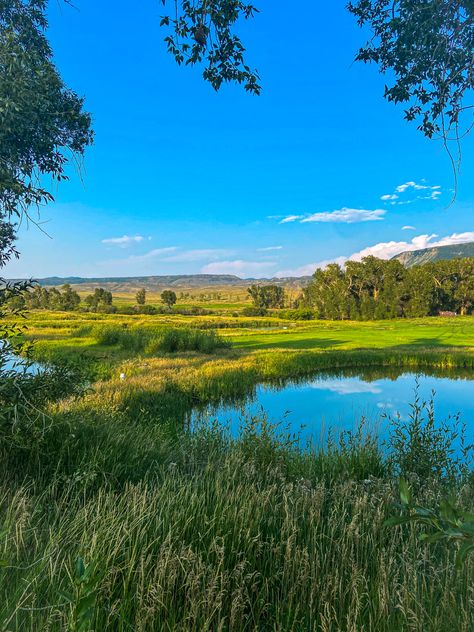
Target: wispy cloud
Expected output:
[239,267]
[204,254]
[123,242]
[341,216]
[431,192]
[291,218]
[401,188]
[269,248]
[408,228]
[152,255]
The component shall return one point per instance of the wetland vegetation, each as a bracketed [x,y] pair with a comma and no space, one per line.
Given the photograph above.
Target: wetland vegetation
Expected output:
[108,500]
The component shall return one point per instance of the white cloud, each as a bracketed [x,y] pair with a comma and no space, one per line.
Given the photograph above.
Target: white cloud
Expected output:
[291,218]
[124,241]
[346,216]
[239,267]
[385,250]
[389,196]
[269,248]
[341,216]
[433,192]
[408,228]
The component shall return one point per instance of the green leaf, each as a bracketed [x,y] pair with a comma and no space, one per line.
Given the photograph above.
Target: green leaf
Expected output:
[466,548]
[80,568]
[405,493]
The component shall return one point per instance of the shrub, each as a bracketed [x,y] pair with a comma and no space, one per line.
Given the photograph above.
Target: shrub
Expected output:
[302,313]
[254,311]
[167,340]
[423,447]
[171,340]
[149,310]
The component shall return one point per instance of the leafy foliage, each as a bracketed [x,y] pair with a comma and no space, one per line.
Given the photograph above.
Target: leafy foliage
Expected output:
[168,297]
[202,32]
[42,125]
[446,523]
[376,289]
[428,448]
[427,47]
[141,296]
[42,122]
[267,296]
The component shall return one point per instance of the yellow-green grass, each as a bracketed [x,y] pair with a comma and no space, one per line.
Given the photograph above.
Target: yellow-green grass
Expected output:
[170,385]
[198,532]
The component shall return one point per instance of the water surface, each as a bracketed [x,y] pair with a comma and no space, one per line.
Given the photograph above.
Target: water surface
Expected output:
[340,400]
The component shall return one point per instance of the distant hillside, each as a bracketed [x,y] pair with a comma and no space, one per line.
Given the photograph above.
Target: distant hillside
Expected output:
[158,283]
[427,255]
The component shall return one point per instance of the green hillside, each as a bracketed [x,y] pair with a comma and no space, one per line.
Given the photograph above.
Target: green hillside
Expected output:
[428,255]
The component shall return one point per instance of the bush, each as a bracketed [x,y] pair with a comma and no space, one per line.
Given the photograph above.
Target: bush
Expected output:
[302,313]
[106,309]
[422,447]
[171,340]
[167,340]
[148,310]
[254,311]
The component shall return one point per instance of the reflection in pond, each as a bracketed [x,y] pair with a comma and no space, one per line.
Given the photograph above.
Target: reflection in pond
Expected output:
[340,401]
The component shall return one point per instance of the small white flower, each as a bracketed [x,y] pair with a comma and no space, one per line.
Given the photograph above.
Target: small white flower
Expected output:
[122,376]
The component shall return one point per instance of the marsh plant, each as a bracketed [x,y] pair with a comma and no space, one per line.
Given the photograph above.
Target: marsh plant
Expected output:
[426,447]
[158,340]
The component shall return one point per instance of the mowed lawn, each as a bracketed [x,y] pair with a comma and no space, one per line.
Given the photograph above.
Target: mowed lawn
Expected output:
[420,333]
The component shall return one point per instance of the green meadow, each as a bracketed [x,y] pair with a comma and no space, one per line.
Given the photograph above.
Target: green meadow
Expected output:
[117,517]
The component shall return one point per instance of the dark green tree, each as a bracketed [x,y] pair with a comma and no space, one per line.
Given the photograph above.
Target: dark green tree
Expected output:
[141,296]
[168,297]
[42,126]
[99,300]
[69,298]
[267,296]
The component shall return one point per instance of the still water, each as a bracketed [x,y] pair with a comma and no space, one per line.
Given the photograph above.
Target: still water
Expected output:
[339,401]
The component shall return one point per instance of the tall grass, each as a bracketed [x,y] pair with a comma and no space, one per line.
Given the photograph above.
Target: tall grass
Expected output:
[209,533]
[159,340]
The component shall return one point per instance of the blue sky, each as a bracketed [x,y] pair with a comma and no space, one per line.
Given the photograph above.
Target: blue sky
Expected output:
[184,180]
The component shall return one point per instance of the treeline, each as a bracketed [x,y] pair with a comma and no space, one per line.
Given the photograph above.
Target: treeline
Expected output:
[65,299]
[374,289]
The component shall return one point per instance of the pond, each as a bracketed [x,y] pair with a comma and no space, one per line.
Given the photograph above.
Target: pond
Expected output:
[14,363]
[340,400]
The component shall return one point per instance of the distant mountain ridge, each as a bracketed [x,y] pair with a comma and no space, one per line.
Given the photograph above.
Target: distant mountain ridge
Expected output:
[428,255]
[159,282]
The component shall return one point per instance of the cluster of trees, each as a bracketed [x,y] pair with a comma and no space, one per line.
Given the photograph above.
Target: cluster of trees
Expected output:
[267,296]
[376,289]
[100,300]
[65,299]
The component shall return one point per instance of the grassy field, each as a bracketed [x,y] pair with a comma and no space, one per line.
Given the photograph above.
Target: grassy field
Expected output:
[116,518]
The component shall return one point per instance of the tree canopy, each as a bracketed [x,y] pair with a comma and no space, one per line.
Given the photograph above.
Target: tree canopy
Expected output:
[427,49]
[376,289]
[43,124]
[203,32]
